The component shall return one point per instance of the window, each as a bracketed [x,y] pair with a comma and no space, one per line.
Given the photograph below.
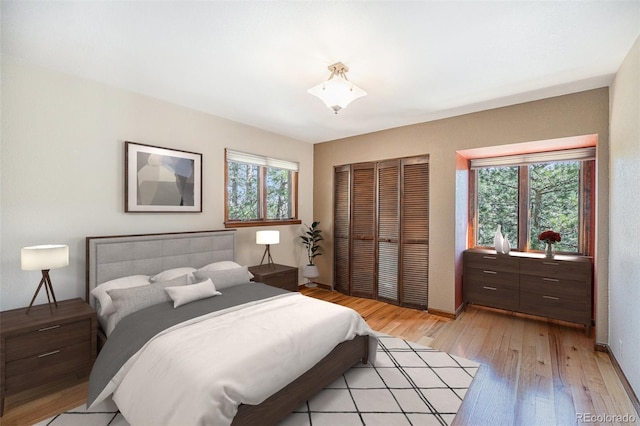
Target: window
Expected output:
[529,194]
[260,190]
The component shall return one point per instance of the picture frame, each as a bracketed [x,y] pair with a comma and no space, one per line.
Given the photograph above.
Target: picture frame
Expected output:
[161,180]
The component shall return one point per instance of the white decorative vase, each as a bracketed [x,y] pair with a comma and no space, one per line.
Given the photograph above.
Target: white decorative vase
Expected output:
[310,272]
[506,245]
[498,240]
[548,251]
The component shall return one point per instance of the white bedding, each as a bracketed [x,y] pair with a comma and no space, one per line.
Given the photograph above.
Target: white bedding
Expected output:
[199,372]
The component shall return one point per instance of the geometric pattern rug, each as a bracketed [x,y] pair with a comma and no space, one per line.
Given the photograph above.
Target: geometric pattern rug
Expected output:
[409,384]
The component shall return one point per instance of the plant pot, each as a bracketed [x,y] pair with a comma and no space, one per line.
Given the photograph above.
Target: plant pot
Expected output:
[309,272]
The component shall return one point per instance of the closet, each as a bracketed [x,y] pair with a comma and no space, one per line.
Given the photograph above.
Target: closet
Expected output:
[381,230]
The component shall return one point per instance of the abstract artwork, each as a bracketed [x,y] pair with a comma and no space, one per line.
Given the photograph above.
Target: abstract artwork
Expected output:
[162,180]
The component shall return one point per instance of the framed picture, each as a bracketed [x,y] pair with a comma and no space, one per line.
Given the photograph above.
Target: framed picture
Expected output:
[161,180]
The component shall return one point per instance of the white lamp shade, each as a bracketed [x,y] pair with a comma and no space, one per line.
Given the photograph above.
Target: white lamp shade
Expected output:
[337,92]
[44,257]
[267,237]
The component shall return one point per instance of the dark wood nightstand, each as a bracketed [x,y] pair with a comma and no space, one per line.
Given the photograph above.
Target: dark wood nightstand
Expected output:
[275,275]
[42,347]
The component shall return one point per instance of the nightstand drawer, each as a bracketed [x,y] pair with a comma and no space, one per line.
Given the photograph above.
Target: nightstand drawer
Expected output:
[46,339]
[281,276]
[38,369]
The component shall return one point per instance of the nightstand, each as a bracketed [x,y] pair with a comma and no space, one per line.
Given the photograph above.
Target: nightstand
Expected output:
[42,347]
[275,275]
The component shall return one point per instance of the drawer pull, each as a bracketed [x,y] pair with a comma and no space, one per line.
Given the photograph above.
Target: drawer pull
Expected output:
[490,272]
[551,297]
[49,328]
[550,263]
[489,257]
[489,288]
[550,279]
[49,353]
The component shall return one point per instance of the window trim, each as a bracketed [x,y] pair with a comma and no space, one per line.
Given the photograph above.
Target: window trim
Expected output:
[263,164]
[586,186]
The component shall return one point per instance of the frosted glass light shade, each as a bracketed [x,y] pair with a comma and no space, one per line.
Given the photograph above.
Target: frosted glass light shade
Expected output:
[267,237]
[337,92]
[43,257]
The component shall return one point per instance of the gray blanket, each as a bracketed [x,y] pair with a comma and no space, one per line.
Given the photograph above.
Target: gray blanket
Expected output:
[134,330]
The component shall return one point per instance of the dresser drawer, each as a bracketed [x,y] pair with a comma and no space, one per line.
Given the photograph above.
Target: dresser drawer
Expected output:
[556,287]
[558,307]
[493,262]
[492,295]
[479,277]
[46,339]
[286,280]
[45,366]
[579,271]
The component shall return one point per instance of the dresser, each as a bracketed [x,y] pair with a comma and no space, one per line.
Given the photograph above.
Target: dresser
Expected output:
[41,347]
[275,275]
[559,288]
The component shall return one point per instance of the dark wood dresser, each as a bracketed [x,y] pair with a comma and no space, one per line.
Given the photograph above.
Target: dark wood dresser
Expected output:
[42,347]
[275,275]
[559,288]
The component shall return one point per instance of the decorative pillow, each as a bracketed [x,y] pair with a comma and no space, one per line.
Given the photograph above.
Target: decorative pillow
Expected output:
[170,274]
[130,300]
[105,307]
[222,266]
[225,278]
[184,294]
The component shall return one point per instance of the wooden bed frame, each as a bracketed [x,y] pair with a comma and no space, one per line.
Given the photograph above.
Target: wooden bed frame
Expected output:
[110,257]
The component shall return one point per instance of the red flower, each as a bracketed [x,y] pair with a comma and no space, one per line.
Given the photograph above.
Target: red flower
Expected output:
[550,237]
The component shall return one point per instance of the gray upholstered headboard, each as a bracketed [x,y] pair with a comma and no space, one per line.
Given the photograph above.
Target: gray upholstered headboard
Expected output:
[114,257]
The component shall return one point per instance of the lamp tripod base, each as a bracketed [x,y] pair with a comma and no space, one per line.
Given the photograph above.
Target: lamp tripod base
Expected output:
[267,252]
[46,281]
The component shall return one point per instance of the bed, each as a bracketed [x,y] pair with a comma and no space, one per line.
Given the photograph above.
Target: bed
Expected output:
[114,257]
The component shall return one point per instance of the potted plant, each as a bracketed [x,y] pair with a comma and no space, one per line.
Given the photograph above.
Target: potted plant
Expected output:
[311,239]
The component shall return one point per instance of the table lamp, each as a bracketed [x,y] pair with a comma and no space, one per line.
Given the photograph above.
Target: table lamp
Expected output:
[267,238]
[44,258]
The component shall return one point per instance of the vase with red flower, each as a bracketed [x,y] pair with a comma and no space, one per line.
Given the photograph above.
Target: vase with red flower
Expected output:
[549,238]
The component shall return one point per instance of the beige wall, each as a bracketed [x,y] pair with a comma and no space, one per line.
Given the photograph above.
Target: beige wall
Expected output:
[63,179]
[577,114]
[624,250]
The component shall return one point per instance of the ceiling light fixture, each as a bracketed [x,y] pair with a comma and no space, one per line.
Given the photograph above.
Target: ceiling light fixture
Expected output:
[337,92]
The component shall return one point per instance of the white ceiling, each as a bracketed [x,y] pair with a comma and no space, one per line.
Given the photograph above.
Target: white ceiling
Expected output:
[253,61]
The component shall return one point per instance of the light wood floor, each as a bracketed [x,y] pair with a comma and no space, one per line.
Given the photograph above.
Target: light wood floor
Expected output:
[534,371]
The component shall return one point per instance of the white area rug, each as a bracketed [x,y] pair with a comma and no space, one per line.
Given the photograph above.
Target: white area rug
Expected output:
[409,384]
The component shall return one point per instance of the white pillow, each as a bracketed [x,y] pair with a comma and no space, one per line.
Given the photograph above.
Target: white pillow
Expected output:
[170,274]
[220,266]
[190,293]
[106,307]
[223,265]
[225,278]
[130,300]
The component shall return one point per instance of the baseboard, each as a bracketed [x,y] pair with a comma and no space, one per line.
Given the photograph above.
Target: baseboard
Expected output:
[623,379]
[444,314]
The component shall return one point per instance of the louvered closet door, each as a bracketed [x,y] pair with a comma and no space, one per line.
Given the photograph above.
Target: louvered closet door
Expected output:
[388,229]
[363,225]
[341,235]
[414,271]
